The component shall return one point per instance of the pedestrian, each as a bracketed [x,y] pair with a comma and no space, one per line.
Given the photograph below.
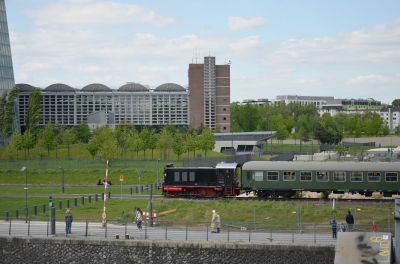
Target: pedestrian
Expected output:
[139,218]
[342,227]
[214,222]
[349,221]
[373,227]
[218,222]
[68,221]
[334,227]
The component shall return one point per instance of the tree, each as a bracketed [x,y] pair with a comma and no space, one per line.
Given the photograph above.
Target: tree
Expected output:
[327,131]
[178,145]
[33,114]
[82,132]
[47,138]
[16,142]
[152,142]
[397,130]
[396,103]
[145,137]
[28,142]
[341,150]
[372,123]
[7,112]
[165,142]
[135,142]
[122,136]
[103,144]
[68,138]
[206,141]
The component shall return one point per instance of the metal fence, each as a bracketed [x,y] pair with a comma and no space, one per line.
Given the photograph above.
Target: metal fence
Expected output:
[173,231]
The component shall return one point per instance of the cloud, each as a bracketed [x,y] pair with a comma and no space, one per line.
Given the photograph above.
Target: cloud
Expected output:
[369,79]
[245,43]
[374,45]
[236,23]
[95,13]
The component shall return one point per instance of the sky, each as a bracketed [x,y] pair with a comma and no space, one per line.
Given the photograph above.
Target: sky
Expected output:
[341,48]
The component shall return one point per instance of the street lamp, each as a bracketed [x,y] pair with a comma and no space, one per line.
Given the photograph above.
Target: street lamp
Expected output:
[25,169]
[62,179]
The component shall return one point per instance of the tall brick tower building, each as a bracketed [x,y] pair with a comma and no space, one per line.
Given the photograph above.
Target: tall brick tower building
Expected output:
[209,95]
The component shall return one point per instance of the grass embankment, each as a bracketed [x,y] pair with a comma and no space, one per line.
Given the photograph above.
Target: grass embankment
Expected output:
[267,214]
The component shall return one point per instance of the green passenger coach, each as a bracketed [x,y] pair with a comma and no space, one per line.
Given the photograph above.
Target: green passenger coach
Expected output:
[284,178]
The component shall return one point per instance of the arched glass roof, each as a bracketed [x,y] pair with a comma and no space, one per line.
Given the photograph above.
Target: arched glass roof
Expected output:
[169,87]
[23,87]
[133,87]
[59,87]
[96,87]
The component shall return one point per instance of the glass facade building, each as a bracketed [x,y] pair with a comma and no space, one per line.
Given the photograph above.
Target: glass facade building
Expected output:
[132,103]
[6,67]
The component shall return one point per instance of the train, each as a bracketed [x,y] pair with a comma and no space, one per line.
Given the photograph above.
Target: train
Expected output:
[282,178]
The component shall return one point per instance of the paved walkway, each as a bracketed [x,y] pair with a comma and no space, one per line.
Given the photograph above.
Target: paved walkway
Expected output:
[95,231]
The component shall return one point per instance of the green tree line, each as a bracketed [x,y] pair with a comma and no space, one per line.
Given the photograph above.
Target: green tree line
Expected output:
[303,122]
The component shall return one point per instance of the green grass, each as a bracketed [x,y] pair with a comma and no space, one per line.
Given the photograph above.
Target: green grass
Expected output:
[277,215]
[114,189]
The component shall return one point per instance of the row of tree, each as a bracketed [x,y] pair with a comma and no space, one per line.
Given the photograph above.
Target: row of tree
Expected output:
[108,143]
[304,122]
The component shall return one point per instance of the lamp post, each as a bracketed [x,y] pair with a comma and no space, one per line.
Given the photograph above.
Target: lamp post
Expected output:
[25,169]
[62,179]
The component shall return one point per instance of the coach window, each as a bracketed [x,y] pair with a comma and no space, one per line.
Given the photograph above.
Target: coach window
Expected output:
[289,176]
[374,176]
[339,176]
[391,176]
[184,176]
[272,175]
[322,176]
[176,176]
[356,176]
[258,176]
[305,175]
[191,176]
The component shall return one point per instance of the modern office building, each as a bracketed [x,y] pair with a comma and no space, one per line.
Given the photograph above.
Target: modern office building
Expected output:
[6,67]
[209,95]
[132,103]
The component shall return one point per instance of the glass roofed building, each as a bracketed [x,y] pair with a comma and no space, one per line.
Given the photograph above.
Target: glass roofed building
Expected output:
[131,103]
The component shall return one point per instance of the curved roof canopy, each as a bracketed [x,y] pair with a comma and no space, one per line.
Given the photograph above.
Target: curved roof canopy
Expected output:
[59,87]
[96,87]
[170,87]
[23,87]
[133,87]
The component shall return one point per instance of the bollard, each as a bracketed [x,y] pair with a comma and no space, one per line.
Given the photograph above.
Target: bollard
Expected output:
[130,190]
[35,210]
[68,204]
[96,197]
[60,205]
[116,236]
[109,195]
[17,214]
[90,199]
[102,196]
[44,209]
[6,216]
[136,189]
[141,188]
[53,220]
[83,200]
[75,202]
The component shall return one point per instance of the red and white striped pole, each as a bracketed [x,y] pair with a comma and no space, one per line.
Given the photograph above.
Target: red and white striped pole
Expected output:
[104,215]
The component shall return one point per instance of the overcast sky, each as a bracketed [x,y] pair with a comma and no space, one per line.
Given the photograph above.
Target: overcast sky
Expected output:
[341,48]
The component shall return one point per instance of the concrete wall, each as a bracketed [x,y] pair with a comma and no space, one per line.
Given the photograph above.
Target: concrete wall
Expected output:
[61,250]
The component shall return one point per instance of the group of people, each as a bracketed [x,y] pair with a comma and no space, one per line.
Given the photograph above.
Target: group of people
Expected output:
[348,227]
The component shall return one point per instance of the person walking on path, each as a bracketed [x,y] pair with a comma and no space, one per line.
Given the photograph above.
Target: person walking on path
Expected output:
[218,222]
[334,227]
[349,221]
[68,221]
[214,222]
[373,226]
[139,218]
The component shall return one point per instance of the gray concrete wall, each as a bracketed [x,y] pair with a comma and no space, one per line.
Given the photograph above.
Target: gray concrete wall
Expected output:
[61,250]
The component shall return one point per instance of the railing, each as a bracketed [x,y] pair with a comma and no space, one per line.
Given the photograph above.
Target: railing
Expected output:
[198,231]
